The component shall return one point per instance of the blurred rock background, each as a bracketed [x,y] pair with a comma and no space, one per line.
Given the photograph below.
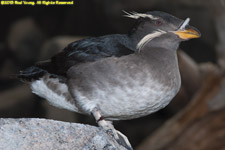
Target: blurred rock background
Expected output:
[30,34]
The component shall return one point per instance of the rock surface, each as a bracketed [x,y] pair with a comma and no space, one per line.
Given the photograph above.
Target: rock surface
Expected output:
[39,134]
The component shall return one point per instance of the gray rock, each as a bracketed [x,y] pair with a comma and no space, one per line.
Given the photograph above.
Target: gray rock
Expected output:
[41,134]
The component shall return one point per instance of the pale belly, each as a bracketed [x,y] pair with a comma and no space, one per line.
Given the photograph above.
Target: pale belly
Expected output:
[129,99]
[128,103]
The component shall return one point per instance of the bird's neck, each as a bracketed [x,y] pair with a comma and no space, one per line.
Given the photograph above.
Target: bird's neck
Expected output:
[163,42]
[161,55]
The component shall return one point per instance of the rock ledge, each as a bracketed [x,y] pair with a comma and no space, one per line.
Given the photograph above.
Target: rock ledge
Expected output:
[39,134]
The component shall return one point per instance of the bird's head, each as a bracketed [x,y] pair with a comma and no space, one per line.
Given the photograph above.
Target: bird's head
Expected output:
[162,26]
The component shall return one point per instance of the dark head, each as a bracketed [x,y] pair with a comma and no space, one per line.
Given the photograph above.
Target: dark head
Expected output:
[160,29]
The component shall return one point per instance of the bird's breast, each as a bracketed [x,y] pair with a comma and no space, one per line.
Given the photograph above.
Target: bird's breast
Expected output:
[135,97]
[126,90]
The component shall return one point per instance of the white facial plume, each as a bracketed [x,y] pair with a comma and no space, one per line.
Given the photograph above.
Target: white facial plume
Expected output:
[136,15]
[148,38]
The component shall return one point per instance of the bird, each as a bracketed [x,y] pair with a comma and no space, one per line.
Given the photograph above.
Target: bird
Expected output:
[118,76]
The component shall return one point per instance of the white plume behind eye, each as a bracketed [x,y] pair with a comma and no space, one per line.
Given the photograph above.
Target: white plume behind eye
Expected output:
[136,15]
[149,37]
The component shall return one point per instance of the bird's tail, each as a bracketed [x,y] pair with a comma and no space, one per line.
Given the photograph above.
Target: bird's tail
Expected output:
[35,72]
[31,73]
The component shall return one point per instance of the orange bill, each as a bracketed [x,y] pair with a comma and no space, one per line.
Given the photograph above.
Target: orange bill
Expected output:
[189,33]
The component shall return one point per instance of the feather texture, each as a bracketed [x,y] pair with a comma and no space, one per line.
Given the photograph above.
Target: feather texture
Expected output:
[149,37]
[136,15]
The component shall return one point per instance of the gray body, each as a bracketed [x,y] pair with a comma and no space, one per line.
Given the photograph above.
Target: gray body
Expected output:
[123,88]
[127,87]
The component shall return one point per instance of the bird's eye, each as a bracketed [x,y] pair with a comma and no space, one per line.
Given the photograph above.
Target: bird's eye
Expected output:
[158,23]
